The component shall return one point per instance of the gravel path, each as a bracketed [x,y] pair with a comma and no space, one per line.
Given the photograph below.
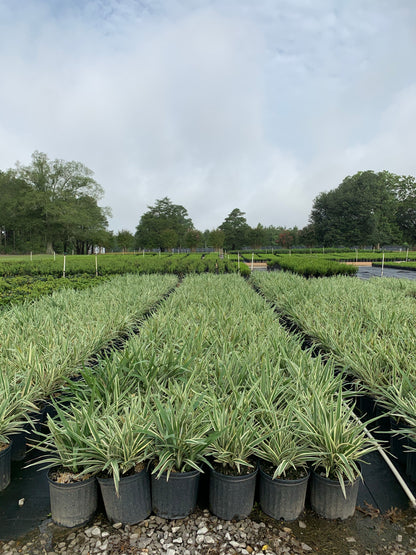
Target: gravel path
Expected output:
[204,534]
[199,534]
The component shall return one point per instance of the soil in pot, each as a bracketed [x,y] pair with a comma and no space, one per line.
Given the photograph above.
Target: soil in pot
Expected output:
[231,496]
[283,497]
[73,503]
[133,502]
[175,497]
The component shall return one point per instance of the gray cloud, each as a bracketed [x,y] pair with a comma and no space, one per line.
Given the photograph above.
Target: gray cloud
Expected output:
[216,104]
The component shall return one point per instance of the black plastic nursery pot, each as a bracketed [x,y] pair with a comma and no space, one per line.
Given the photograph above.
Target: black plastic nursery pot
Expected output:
[369,409]
[411,461]
[349,383]
[231,497]
[327,498]
[73,504]
[367,406]
[282,498]
[5,466]
[175,497]
[27,435]
[398,441]
[133,502]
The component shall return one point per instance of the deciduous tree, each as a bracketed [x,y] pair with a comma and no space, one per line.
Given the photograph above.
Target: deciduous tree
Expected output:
[404,188]
[192,239]
[124,240]
[216,238]
[361,211]
[51,204]
[257,236]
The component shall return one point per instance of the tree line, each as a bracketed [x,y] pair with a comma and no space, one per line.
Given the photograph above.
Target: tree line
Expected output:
[367,209]
[167,226]
[52,206]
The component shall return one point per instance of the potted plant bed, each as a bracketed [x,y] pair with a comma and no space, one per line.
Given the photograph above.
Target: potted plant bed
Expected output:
[231,491]
[284,456]
[180,435]
[116,450]
[73,497]
[331,499]
[233,477]
[13,417]
[339,442]
[72,486]
[175,497]
[131,502]
[283,497]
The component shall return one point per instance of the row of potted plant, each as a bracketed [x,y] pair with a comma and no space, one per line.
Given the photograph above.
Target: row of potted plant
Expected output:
[110,264]
[310,265]
[367,328]
[46,342]
[212,383]
[177,434]
[18,289]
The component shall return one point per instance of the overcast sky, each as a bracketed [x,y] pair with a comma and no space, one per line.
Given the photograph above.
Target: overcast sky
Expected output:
[218,104]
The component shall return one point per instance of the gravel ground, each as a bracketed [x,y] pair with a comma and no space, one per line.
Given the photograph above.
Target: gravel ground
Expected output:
[204,534]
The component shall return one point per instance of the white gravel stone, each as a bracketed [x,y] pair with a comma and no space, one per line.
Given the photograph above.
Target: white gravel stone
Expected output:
[95,531]
[199,534]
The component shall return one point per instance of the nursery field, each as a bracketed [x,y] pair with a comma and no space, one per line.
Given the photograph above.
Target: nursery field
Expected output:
[403,265]
[110,264]
[174,375]
[365,327]
[28,288]
[28,278]
[313,265]
[330,262]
